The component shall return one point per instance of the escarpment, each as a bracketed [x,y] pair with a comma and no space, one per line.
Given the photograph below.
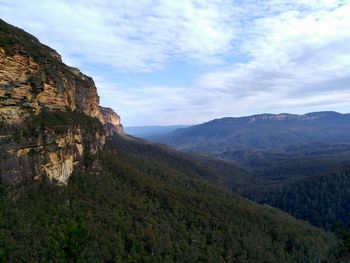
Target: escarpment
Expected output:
[50,117]
[111,122]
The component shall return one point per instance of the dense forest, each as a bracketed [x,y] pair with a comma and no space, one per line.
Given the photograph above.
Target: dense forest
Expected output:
[310,182]
[323,200]
[145,209]
[312,188]
[298,163]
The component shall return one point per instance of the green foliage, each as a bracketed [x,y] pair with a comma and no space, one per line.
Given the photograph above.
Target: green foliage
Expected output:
[58,121]
[69,241]
[57,118]
[149,209]
[322,200]
[343,233]
[311,182]
[295,164]
[14,39]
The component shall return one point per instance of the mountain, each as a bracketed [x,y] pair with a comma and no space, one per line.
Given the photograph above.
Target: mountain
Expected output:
[297,163]
[149,131]
[50,117]
[260,132]
[74,188]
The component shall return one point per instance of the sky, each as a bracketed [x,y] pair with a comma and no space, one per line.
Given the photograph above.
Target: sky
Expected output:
[166,62]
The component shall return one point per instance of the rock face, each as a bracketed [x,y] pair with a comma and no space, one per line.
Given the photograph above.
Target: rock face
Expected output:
[48,152]
[293,117]
[111,122]
[28,85]
[50,117]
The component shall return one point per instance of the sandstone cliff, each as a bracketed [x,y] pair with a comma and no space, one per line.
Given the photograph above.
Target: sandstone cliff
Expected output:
[50,117]
[111,122]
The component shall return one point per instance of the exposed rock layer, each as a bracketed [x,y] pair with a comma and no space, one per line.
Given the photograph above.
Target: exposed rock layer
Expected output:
[33,79]
[50,154]
[26,87]
[111,122]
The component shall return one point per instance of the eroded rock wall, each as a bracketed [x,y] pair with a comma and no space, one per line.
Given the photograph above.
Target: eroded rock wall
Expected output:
[49,153]
[111,122]
[33,81]
[26,86]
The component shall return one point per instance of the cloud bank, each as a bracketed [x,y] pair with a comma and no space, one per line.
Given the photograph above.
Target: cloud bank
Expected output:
[254,56]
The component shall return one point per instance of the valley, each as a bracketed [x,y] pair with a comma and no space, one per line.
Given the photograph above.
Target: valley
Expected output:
[298,163]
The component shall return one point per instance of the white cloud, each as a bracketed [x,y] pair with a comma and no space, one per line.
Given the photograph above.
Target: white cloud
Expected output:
[296,53]
[300,60]
[145,104]
[128,35]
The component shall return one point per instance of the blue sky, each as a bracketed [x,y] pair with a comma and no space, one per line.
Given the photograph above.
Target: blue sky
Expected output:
[171,62]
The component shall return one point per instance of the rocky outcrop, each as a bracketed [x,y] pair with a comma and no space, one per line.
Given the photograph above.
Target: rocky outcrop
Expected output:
[49,153]
[27,86]
[294,117]
[111,122]
[50,117]
[32,76]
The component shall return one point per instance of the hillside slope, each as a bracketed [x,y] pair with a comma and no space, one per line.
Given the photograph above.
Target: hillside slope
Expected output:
[297,163]
[321,199]
[142,208]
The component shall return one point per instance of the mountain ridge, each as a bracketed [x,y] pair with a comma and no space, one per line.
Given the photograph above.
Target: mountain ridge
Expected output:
[283,116]
[263,131]
[149,131]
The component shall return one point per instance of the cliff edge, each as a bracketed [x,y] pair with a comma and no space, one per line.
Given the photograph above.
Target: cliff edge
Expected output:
[50,116]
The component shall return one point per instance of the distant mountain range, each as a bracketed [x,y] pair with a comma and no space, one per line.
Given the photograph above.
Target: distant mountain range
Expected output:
[298,163]
[149,131]
[260,132]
